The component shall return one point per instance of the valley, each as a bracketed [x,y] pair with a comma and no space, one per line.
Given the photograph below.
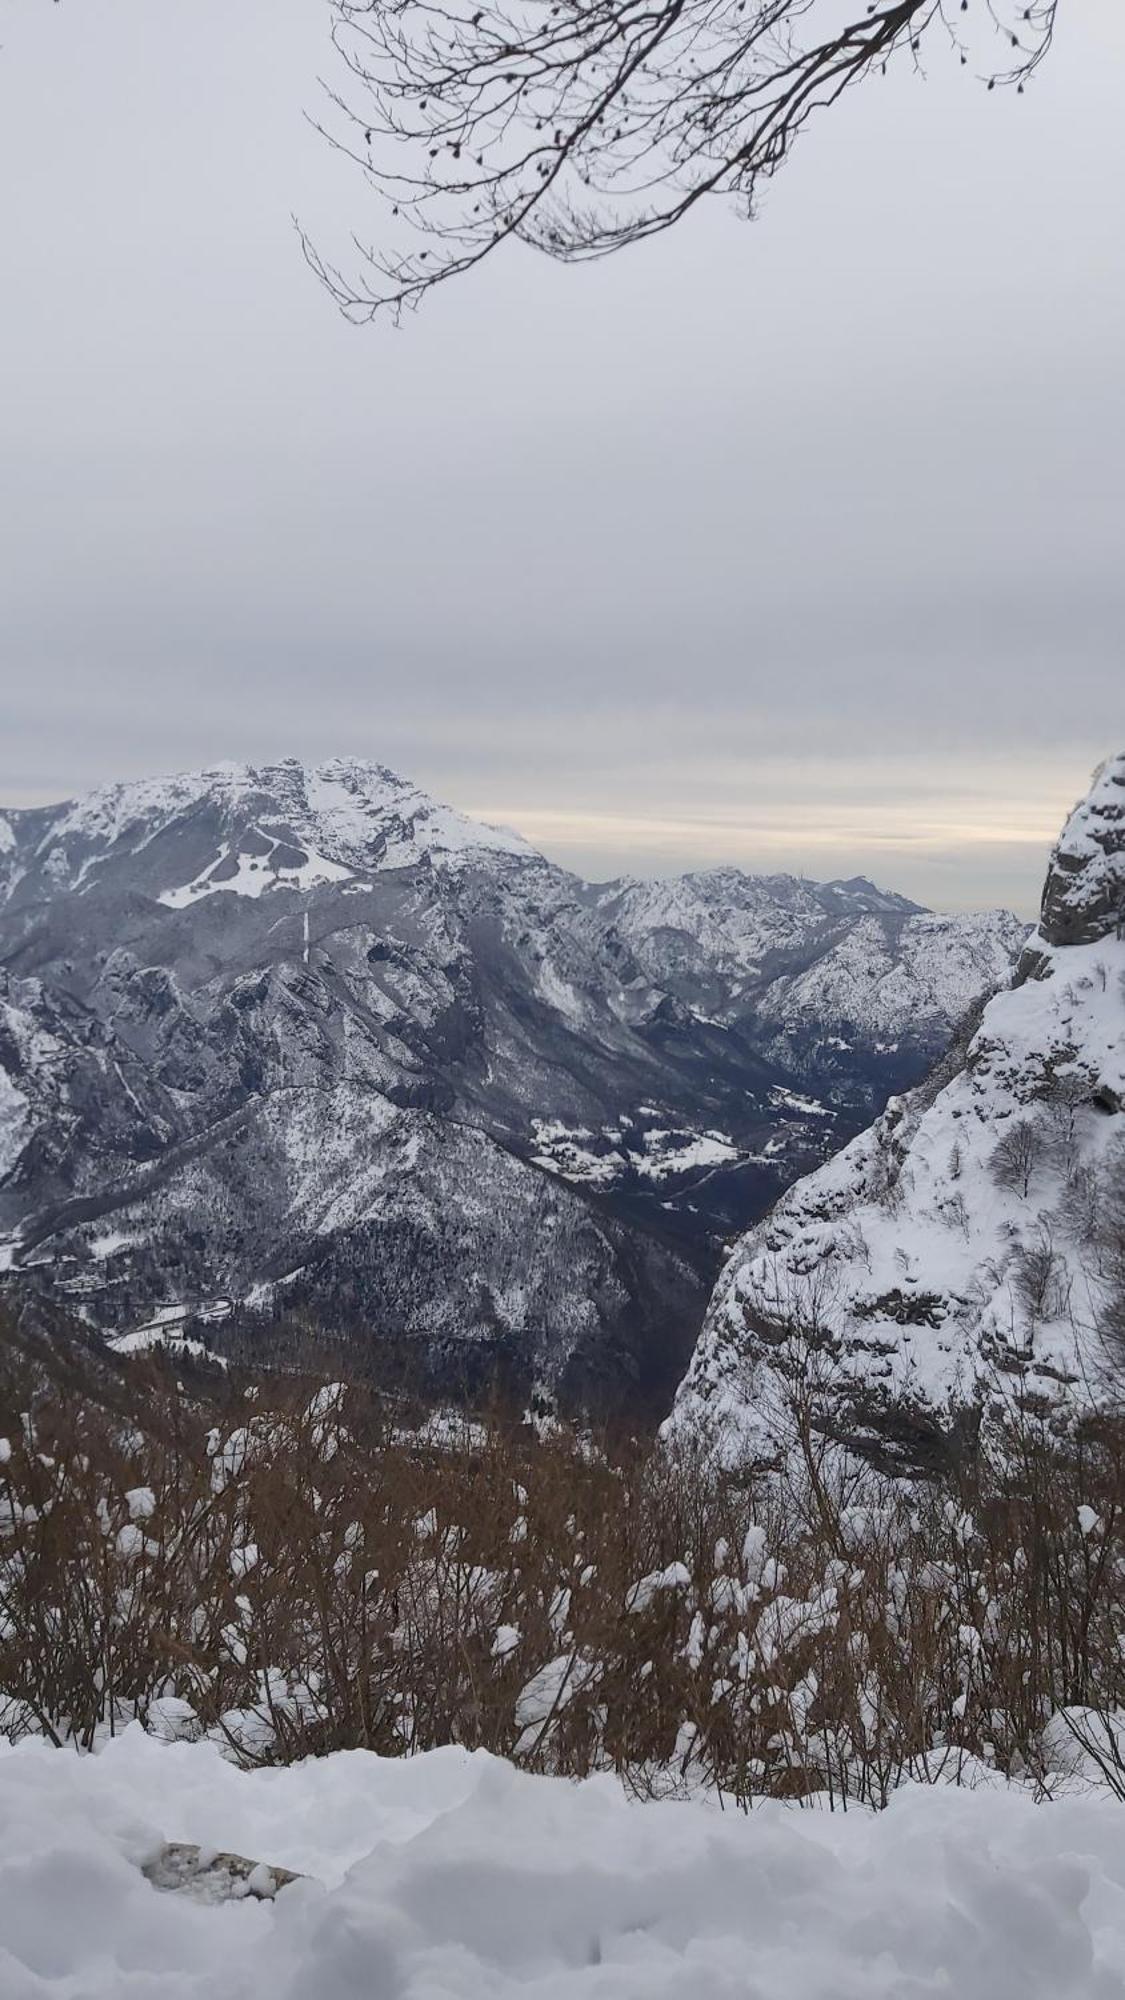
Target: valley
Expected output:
[307,1041]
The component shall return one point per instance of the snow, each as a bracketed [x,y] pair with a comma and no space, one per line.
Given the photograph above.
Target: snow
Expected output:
[452,1876]
[568,1151]
[15,1123]
[667,1154]
[255,873]
[347,796]
[928,968]
[560,995]
[1086,881]
[675,1577]
[547,1694]
[563,1150]
[791,1100]
[109,1243]
[164,1333]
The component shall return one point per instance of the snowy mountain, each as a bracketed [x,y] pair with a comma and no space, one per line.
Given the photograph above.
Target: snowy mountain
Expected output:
[302,1041]
[965,1256]
[850,989]
[238,829]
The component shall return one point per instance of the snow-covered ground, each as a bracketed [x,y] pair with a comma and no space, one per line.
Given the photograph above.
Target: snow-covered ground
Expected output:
[455,1875]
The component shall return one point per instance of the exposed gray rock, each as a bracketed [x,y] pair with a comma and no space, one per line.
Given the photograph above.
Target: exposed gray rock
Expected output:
[208,1877]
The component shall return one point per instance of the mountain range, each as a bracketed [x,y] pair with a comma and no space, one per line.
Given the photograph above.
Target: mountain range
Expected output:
[294,1052]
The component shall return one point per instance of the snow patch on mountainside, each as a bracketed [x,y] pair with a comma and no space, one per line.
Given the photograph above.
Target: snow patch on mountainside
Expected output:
[15,1122]
[252,874]
[651,1153]
[669,1153]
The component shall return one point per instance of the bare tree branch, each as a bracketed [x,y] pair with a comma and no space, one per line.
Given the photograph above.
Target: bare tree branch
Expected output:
[579,126]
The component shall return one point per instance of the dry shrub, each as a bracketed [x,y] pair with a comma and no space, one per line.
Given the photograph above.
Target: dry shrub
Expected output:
[291,1570]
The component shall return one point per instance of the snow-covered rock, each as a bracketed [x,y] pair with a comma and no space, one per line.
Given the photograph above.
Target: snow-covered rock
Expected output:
[1084,896]
[966,1255]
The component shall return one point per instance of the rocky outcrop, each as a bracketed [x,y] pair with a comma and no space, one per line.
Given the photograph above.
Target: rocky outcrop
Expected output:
[180,1867]
[1084,894]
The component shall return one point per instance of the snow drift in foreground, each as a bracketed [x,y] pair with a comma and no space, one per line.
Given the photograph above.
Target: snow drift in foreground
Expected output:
[455,1875]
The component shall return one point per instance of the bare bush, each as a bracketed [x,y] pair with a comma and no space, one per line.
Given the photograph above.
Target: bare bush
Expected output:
[1079,1211]
[1111,1248]
[295,1573]
[1019,1156]
[1040,1279]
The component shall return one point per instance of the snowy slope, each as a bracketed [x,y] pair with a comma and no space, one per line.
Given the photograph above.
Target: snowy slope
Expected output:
[453,1876]
[967,1253]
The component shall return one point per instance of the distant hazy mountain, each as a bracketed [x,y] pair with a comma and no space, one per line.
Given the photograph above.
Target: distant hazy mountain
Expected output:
[300,1041]
[966,1256]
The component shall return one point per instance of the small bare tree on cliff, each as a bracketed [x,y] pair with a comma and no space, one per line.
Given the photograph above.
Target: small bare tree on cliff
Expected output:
[579,126]
[1018,1156]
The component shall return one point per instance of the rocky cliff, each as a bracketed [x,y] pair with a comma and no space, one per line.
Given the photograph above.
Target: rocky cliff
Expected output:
[965,1257]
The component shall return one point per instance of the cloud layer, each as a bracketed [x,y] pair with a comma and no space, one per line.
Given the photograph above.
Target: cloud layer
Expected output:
[794,544]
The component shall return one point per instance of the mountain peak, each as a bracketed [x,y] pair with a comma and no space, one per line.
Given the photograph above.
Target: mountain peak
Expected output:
[1085,887]
[858,892]
[241,827]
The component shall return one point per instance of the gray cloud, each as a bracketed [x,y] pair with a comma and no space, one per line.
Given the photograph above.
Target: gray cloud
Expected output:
[796,543]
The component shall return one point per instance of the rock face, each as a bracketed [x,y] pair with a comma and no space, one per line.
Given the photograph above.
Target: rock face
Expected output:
[1084,894]
[965,1257]
[301,1044]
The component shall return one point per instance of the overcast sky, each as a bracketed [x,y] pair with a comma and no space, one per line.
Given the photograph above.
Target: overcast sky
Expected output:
[796,544]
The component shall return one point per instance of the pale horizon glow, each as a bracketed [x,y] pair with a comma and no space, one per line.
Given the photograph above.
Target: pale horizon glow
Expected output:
[821,822]
[822,838]
[777,831]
